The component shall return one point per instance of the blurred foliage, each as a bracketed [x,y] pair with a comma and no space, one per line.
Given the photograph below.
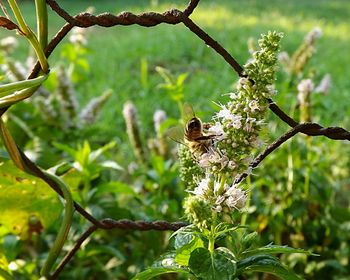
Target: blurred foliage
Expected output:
[19,215]
[299,195]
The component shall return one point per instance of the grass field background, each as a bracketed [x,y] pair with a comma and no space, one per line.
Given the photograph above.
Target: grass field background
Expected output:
[116,52]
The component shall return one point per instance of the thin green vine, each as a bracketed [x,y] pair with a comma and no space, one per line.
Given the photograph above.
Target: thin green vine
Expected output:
[65,226]
[29,34]
[41,21]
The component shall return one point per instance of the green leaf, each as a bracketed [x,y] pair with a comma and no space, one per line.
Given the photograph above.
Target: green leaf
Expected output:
[221,264]
[165,264]
[117,188]
[111,164]
[26,198]
[165,74]
[275,249]
[5,275]
[181,79]
[249,239]
[156,271]
[183,253]
[83,64]
[97,153]
[184,235]
[265,263]
[65,148]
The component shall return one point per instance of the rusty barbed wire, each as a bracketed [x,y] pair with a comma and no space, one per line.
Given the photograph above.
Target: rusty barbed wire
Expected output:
[310,129]
[149,19]
[113,224]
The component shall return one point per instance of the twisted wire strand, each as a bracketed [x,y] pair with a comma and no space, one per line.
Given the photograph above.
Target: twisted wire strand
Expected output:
[112,224]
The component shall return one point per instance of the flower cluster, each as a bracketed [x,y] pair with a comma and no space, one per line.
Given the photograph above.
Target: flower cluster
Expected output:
[236,127]
[238,122]
[220,194]
[133,130]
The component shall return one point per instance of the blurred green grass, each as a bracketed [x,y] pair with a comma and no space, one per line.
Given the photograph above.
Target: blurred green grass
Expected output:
[116,52]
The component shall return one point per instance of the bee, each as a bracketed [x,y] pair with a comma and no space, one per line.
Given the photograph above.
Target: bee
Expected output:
[194,135]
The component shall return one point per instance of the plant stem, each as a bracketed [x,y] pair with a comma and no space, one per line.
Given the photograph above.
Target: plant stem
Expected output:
[20,85]
[222,184]
[307,169]
[65,226]
[17,96]
[245,213]
[41,21]
[28,33]
[211,236]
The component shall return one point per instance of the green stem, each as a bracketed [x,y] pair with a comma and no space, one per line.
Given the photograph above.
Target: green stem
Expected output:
[20,85]
[307,169]
[65,226]
[222,184]
[11,146]
[211,237]
[245,214]
[42,22]
[28,33]
[17,96]
[18,15]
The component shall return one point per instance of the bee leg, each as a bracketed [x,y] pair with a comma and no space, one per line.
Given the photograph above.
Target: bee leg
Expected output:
[207,125]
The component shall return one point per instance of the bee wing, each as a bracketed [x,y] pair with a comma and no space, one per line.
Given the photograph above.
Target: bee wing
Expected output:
[188,112]
[176,133]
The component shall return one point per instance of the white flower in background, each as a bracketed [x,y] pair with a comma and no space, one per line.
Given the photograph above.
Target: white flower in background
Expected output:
[78,36]
[324,85]
[8,43]
[314,34]
[283,57]
[129,110]
[158,118]
[305,87]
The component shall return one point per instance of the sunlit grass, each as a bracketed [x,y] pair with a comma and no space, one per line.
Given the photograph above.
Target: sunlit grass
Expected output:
[116,52]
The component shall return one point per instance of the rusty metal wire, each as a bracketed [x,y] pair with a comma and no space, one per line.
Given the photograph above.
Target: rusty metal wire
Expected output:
[113,224]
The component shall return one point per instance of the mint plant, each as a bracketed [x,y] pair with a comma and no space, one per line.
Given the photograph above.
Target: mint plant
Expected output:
[218,193]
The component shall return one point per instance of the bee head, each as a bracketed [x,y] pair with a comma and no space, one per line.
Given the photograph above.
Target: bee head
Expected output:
[194,124]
